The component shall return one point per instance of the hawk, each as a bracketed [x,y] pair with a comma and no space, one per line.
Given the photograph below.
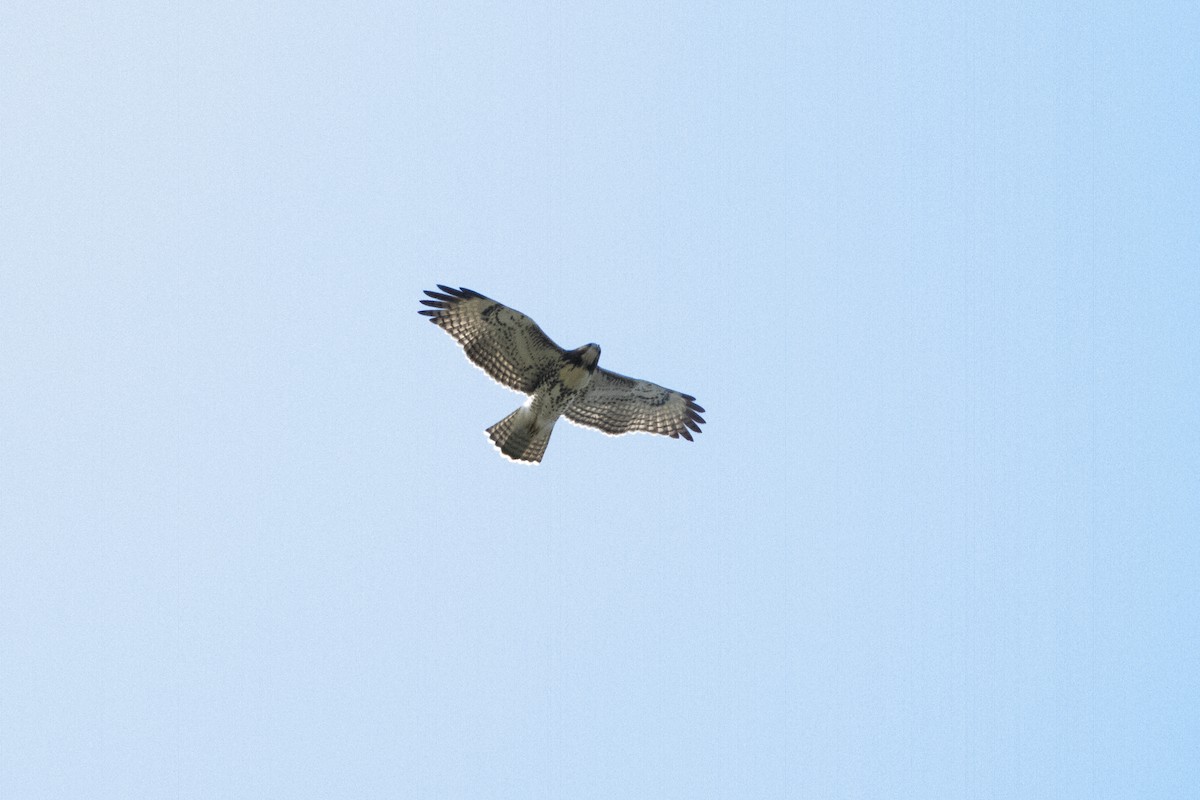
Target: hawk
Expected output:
[512,349]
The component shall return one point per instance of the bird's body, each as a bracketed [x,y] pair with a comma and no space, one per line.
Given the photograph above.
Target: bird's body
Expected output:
[514,351]
[524,434]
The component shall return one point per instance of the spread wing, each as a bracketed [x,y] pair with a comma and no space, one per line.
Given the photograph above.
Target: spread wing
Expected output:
[616,404]
[504,343]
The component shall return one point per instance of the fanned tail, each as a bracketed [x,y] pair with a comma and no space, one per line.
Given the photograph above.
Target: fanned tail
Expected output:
[519,436]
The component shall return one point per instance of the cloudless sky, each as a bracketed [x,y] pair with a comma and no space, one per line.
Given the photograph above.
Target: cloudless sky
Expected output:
[932,268]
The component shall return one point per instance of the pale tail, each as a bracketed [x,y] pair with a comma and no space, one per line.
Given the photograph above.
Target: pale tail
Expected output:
[520,437]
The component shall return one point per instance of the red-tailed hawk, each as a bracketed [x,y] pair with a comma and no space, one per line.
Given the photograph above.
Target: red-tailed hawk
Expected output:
[512,349]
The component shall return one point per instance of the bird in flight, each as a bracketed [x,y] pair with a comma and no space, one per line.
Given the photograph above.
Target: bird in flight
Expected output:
[514,351]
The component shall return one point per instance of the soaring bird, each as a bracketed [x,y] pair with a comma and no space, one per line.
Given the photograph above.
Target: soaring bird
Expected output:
[514,351]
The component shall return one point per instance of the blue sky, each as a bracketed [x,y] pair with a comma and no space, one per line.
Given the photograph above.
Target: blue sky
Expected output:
[933,269]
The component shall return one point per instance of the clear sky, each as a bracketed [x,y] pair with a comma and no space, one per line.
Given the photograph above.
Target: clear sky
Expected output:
[933,269]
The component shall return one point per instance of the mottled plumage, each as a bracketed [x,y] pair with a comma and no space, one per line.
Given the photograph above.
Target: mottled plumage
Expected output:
[513,350]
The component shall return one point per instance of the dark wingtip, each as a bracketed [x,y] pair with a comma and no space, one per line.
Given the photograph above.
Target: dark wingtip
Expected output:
[456,294]
[686,434]
[431,314]
[692,424]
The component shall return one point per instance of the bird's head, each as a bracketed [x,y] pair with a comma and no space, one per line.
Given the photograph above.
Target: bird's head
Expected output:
[588,355]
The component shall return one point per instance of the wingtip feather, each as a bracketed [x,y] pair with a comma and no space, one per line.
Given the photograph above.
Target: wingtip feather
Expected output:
[460,293]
